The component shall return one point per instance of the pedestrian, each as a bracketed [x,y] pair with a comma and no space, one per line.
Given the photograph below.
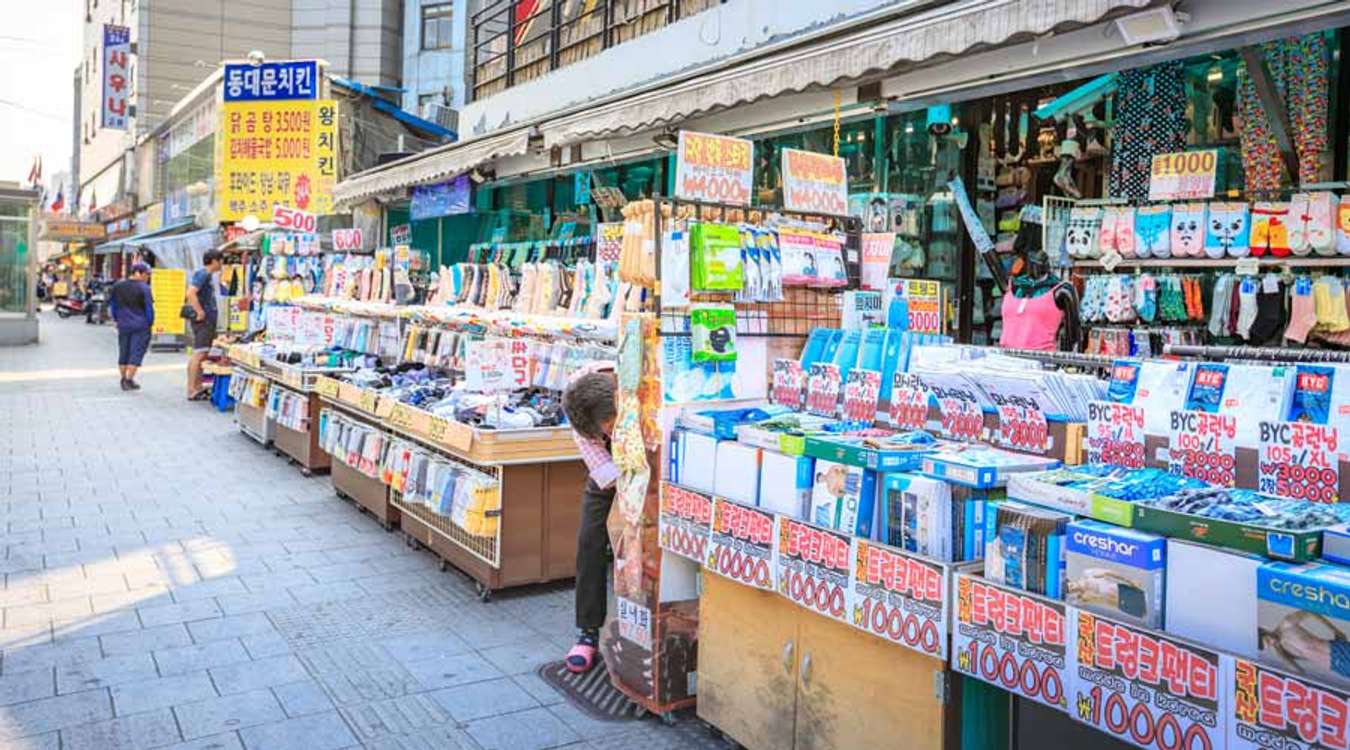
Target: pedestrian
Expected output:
[201,312]
[133,311]
[588,403]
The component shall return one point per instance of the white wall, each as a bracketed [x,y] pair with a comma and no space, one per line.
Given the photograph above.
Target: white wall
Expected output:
[431,71]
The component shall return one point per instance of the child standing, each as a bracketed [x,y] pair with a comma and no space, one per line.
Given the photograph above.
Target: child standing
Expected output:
[588,403]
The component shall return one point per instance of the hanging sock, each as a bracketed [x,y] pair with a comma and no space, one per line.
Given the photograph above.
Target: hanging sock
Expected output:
[1223,297]
[1343,226]
[1125,239]
[1145,298]
[1322,220]
[1302,312]
[1270,229]
[1106,235]
[1246,307]
[1188,229]
[1080,237]
[1152,231]
[1228,232]
[1298,221]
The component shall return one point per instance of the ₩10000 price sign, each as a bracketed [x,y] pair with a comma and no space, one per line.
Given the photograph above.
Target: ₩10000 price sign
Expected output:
[899,597]
[1272,710]
[813,567]
[685,522]
[1011,639]
[741,544]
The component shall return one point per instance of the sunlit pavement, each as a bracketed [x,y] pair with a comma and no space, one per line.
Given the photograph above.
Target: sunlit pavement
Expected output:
[169,583]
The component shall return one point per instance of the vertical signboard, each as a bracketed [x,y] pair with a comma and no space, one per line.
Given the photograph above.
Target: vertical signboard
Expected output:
[116,75]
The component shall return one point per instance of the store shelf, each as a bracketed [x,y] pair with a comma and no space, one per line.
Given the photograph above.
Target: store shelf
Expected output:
[1268,262]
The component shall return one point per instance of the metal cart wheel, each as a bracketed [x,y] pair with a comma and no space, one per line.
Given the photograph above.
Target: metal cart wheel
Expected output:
[484,593]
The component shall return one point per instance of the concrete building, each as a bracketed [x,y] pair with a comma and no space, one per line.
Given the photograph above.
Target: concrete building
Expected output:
[360,39]
[435,34]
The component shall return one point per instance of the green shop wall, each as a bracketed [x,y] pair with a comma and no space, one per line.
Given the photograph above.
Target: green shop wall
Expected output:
[445,239]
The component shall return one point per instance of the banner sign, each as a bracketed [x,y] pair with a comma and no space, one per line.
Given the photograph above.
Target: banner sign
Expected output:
[70,230]
[116,75]
[1271,709]
[348,240]
[789,384]
[742,544]
[1145,688]
[1183,175]
[294,220]
[444,199]
[923,304]
[1299,461]
[899,597]
[876,259]
[1012,639]
[609,242]
[168,289]
[685,522]
[1202,447]
[813,567]
[714,168]
[814,183]
[822,390]
[1021,422]
[400,234]
[861,392]
[276,152]
[1115,434]
[909,402]
[271,81]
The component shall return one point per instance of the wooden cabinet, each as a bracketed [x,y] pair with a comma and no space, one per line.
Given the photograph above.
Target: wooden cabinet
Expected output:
[773,676]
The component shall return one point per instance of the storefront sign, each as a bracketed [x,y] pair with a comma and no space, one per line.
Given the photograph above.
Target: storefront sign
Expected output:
[1271,709]
[814,183]
[271,81]
[822,390]
[294,220]
[1145,688]
[1299,461]
[1202,447]
[899,597]
[909,402]
[168,290]
[1012,639]
[400,234]
[861,391]
[876,259]
[714,168]
[923,304]
[1183,175]
[1115,434]
[70,230]
[116,75]
[635,622]
[609,242]
[348,240]
[813,567]
[789,384]
[276,152]
[444,199]
[742,544]
[685,522]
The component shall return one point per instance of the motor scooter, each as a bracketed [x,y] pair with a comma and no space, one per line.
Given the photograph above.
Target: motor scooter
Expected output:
[96,306]
[68,306]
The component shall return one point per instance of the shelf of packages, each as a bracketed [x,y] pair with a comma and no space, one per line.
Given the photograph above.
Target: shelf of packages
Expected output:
[249,388]
[296,418]
[350,482]
[243,354]
[1293,261]
[1064,439]
[300,379]
[501,322]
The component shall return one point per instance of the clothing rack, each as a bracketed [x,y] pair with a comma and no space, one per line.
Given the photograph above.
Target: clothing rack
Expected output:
[1257,353]
[1076,359]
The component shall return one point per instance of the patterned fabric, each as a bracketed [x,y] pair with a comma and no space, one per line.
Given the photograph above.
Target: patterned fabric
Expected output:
[1148,122]
[1299,68]
[597,459]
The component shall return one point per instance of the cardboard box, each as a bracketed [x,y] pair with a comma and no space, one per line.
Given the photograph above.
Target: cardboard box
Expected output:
[736,476]
[843,498]
[698,462]
[1119,573]
[1303,616]
[1336,544]
[982,467]
[1294,546]
[852,451]
[1024,547]
[915,515]
[785,483]
[1211,597]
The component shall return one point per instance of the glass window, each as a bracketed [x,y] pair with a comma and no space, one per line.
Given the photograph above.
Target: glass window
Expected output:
[436,26]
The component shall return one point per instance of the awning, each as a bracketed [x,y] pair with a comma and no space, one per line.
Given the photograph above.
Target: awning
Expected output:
[181,250]
[436,165]
[115,246]
[950,30]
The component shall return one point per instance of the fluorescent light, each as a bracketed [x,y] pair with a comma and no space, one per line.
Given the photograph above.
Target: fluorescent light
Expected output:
[1149,26]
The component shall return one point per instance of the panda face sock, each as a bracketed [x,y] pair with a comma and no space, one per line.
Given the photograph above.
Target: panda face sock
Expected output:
[1188,229]
[1228,231]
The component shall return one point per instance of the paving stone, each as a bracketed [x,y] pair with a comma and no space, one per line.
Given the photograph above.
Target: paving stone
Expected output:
[239,604]
[394,717]
[160,692]
[73,651]
[523,656]
[227,713]
[145,639]
[100,624]
[460,669]
[325,731]
[256,675]
[151,729]
[198,657]
[18,687]
[481,699]
[444,737]
[267,644]
[49,714]
[224,741]
[533,729]
[167,614]
[236,626]
[209,589]
[115,670]
[417,647]
[301,698]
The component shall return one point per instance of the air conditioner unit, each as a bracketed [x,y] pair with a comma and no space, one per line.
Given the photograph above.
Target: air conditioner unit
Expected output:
[446,117]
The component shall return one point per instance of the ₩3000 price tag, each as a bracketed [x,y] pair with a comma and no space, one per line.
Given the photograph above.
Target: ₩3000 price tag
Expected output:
[909,402]
[1202,447]
[1299,461]
[1022,428]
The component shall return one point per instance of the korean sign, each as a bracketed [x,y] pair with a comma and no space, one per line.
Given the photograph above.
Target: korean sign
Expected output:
[741,546]
[789,384]
[1184,175]
[899,597]
[277,152]
[1144,687]
[1275,710]
[815,183]
[1202,446]
[714,168]
[822,389]
[909,402]
[685,521]
[861,390]
[813,567]
[1299,461]
[1115,434]
[116,75]
[1012,639]
[272,81]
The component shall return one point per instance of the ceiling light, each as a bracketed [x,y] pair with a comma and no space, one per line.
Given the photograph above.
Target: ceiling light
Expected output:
[1154,26]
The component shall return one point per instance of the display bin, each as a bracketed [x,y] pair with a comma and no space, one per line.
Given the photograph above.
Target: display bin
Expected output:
[303,446]
[367,492]
[254,422]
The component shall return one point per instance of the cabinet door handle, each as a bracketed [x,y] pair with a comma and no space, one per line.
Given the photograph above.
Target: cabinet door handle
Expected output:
[806,670]
[787,657]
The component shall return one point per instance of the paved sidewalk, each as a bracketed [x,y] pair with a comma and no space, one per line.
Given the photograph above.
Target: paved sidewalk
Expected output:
[169,583]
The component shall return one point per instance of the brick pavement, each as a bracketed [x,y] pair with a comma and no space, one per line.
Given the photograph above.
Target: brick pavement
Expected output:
[169,583]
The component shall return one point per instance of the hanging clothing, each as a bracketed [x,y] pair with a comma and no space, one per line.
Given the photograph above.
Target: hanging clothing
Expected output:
[1300,71]
[1150,120]
[1031,322]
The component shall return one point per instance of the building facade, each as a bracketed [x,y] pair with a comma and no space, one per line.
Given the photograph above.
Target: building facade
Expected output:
[360,39]
[435,33]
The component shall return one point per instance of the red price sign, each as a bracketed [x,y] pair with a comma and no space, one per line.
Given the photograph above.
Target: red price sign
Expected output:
[1146,688]
[1270,709]
[961,415]
[860,395]
[822,390]
[789,384]
[813,567]
[900,598]
[347,240]
[814,183]
[1300,461]
[294,219]
[1202,447]
[1011,639]
[520,355]
[685,522]
[741,544]
[1115,434]
[714,168]
[909,402]
[1022,426]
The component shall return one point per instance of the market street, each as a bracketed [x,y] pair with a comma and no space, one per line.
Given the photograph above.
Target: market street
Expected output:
[169,583]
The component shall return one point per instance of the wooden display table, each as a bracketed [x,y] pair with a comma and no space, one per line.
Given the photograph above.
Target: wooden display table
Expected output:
[369,493]
[303,446]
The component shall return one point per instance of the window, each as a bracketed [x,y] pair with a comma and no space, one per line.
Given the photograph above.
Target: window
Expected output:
[436,26]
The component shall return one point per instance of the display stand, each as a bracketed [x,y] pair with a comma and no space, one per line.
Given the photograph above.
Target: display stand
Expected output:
[369,493]
[251,418]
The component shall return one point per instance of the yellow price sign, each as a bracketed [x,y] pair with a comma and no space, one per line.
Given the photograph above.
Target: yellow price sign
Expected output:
[326,387]
[436,429]
[368,401]
[1183,175]
[385,407]
[459,436]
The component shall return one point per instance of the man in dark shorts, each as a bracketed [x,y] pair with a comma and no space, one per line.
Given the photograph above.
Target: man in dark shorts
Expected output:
[133,310]
[201,296]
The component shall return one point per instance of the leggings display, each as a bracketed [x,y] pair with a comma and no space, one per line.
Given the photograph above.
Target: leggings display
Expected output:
[1148,122]
[1299,68]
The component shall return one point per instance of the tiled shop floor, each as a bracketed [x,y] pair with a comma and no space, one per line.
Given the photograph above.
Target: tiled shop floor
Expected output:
[169,583]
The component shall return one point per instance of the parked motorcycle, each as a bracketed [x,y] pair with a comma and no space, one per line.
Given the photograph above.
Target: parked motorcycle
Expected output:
[68,306]
[96,306]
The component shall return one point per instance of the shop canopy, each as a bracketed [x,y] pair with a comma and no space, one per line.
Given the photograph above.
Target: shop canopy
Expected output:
[437,165]
[130,243]
[173,246]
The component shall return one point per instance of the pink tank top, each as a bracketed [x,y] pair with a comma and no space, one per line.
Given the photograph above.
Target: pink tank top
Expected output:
[1031,322]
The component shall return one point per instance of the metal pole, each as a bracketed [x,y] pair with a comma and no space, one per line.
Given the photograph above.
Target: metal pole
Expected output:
[510,46]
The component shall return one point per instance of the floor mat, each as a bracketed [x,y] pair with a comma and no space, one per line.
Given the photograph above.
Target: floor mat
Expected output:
[591,692]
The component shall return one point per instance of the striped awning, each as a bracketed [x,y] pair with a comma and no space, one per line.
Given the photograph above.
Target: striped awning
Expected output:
[436,165]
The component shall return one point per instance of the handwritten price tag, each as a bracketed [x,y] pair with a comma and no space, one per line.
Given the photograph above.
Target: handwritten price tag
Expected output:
[714,168]
[1011,639]
[326,387]
[1022,427]
[860,395]
[909,402]
[1202,447]
[789,384]
[368,401]
[822,390]
[1299,461]
[1115,434]
[685,522]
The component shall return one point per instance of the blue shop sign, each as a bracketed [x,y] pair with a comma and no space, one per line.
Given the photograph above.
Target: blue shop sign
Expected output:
[443,199]
[273,81]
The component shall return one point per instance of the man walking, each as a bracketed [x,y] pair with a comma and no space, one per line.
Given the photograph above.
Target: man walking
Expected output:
[201,297]
[133,310]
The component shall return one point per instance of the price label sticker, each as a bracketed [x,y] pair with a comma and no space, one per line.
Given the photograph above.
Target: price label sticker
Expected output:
[1202,447]
[437,429]
[961,417]
[741,543]
[1013,640]
[789,384]
[860,395]
[813,567]
[899,597]
[1022,426]
[368,401]
[1115,434]
[685,522]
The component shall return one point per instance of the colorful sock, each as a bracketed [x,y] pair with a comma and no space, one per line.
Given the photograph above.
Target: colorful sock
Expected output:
[1343,226]
[1270,229]
[1106,236]
[1302,313]
[1218,315]
[1228,232]
[1298,224]
[1188,229]
[1246,306]
[1081,235]
[1125,240]
[1322,209]
[1152,231]
[1145,298]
